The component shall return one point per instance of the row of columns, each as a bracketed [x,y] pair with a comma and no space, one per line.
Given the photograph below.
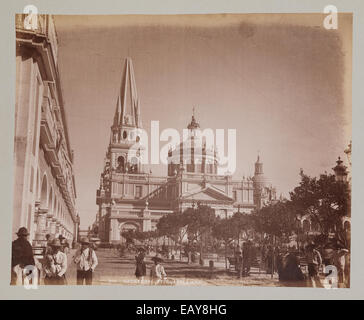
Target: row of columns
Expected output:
[48,224]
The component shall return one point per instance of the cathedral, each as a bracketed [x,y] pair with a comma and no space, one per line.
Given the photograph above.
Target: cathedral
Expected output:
[130,198]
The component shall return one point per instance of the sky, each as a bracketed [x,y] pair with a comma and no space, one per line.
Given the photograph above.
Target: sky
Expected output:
[282,81]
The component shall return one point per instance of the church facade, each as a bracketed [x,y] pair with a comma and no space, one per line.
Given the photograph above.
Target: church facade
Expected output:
[129,198]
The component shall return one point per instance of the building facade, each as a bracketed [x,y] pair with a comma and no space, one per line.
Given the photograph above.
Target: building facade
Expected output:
[44,185]
[129,198]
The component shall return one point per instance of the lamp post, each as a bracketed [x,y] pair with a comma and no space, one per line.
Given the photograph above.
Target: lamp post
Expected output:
[341,173]
[341,176]
[239,229]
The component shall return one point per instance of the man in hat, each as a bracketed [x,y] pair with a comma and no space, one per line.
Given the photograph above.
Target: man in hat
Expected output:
[21,256]
[56,265]
[157,273]
[64,243]
[48,248]
[86,261]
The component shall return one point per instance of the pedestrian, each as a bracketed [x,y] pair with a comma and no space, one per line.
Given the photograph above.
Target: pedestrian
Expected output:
[237,257]
[157,273]
[48,238]
[263,256]
[86,261]
[328,253]
[270,259]
[141,268]
[280,262]
[247,250]
[314,262]
[164,250]
[239,263]
[48,249]
[339,261]
[64,243]
[55,265]
[66,246]
[289,270]
[21,256]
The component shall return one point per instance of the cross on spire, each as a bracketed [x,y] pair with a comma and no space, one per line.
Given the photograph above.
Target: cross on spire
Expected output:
[193,124]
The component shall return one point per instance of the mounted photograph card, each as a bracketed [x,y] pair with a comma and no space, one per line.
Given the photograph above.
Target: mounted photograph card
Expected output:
[205,150]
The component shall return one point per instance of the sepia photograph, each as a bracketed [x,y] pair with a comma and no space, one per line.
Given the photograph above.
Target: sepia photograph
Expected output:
[182,150]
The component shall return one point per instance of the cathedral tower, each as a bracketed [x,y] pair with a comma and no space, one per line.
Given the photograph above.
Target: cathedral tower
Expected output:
[259,183]
[124,157]
[122,164]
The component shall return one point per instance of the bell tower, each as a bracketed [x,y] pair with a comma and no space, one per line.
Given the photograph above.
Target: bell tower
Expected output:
[124,151]
[123,177]
[259,183]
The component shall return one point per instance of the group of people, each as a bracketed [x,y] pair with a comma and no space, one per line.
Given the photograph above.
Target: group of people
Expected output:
[332,256]
[157,272]
[53,263]
[286,261]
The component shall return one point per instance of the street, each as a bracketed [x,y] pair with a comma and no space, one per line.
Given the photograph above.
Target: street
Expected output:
[115,270]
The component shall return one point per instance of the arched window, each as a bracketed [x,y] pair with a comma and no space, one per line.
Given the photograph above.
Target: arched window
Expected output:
[121,164]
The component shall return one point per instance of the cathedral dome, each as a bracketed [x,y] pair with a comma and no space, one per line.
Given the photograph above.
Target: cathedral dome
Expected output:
[192,154]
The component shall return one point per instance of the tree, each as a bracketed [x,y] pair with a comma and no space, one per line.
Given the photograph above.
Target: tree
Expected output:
[143,236]
[243,222]
[276,219]
[200,222]
[134,235]
[174,226]
[226,230]
[325,201]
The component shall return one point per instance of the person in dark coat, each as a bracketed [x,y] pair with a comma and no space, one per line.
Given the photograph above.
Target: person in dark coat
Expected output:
[141,268]
[21,256]
[237,257]
[269,259]
[247,257]
[289,270]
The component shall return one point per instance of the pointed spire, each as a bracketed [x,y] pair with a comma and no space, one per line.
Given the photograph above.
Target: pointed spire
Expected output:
[258,158]
[193,124]
[117,113]
[258,166]
[127,107]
